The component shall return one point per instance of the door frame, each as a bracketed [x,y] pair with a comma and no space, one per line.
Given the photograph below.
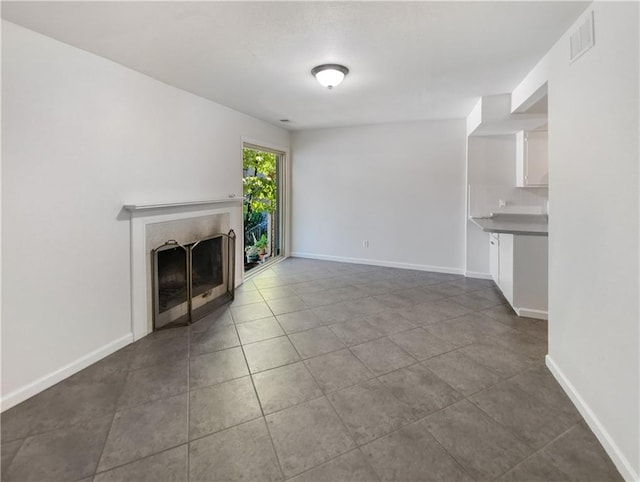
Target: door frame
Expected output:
[284,193]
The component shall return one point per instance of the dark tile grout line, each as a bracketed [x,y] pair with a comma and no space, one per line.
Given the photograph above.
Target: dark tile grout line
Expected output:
[189,439]
[306,471]
[458,463]
[443,298]
[104,443]
[31,433]
[142,458]
[119,408]
[187,393]
[255,391]
[421,285]
[329,324]
[518,436]
[464,397]
[346,430]
[374,375]
[113,417]
[187,360]
[506,380]
[188,468]
[537,451]
[377,376]
[382,335]
[342,423]
[359,446]
[325,323]
[273,445]
[8,462]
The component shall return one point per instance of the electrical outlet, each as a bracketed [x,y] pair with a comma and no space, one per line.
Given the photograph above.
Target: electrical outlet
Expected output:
[365,243]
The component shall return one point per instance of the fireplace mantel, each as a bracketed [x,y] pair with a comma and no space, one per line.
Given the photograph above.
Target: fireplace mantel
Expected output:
[153,206]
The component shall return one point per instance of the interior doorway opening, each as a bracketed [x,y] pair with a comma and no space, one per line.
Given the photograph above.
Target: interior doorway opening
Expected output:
[262,205]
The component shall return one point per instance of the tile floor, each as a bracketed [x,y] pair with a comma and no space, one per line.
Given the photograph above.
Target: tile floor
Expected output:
[318,371]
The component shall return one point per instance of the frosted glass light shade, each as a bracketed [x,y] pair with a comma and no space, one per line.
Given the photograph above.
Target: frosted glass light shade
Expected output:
[330,75]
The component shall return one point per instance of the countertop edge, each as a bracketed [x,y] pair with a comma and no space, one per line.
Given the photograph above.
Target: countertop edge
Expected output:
[506,229]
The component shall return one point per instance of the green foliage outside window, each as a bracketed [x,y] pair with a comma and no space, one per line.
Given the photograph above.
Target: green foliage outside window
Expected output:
[259,182]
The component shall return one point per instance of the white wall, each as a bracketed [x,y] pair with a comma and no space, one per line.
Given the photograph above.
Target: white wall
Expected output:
[81,137]
[399,186]
[490,162]
[594,336]
[491,175]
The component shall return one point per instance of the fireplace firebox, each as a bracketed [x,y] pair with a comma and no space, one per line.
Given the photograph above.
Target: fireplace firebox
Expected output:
[191,280]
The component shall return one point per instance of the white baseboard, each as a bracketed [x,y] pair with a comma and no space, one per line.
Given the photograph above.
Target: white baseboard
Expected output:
[375,262]
[612,449]
[31,389]
[531,313]
[477,274]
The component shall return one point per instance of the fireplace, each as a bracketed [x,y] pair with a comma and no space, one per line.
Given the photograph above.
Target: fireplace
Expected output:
[152,225]
[190,280]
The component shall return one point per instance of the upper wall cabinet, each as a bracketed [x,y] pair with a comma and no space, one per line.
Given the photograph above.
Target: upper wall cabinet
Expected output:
[532,159]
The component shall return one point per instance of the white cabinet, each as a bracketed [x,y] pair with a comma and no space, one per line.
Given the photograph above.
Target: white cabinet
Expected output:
[506,266]
[531,275]
[494,257]
[518,265]
[532,159]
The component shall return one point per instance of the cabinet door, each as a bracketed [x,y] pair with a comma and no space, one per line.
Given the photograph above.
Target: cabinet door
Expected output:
[537,158]
[520,159]
[494,257]
[506,266]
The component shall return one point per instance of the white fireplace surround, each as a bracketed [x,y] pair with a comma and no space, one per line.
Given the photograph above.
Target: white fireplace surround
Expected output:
[144,216]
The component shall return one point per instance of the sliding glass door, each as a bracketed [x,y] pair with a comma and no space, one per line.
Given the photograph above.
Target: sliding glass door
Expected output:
[262,205]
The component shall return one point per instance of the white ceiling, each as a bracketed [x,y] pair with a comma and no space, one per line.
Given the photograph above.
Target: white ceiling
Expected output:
[408,60]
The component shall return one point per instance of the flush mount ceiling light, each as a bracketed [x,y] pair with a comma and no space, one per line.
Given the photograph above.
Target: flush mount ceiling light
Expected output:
[329,75]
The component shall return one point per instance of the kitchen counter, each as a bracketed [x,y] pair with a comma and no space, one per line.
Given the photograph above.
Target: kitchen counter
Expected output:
[523,224]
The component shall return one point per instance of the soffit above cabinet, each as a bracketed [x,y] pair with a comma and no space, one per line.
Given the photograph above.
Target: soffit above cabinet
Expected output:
[492,116]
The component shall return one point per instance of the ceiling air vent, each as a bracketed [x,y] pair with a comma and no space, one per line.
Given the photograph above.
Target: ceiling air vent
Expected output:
[582,39]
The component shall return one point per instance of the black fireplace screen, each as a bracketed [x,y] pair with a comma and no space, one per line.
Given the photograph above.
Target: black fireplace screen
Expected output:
[206,265]
[191,280]
[172,278]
